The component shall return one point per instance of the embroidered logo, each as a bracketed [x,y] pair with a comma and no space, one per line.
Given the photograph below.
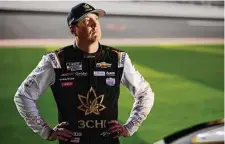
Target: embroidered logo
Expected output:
[91,103]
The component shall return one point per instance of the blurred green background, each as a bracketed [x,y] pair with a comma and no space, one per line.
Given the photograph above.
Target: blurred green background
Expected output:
[188,81]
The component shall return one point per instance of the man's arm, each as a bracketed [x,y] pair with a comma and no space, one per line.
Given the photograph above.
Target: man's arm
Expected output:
[30,90]
[142,93]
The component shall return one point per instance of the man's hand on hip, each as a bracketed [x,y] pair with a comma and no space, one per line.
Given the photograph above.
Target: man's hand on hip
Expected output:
[60,132]
[117,129]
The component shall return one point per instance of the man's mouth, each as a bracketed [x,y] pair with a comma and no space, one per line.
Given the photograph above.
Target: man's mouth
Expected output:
[93,32]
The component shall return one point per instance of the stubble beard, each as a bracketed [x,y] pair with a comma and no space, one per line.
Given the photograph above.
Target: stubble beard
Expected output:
[95,37]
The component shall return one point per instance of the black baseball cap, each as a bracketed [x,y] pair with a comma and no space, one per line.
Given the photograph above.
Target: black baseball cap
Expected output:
[80,10]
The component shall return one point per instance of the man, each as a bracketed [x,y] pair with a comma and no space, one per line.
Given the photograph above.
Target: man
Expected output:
[85,80]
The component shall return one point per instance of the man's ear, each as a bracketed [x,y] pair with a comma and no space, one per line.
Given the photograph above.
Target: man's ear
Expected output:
[73,29]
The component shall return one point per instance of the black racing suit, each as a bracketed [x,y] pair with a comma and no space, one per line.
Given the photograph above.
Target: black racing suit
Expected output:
[86,91]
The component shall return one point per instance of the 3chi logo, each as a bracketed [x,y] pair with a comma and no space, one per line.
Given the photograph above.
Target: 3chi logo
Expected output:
[87,7]
[91,103]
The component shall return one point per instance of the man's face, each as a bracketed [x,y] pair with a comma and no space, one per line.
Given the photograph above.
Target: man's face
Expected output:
[88,28]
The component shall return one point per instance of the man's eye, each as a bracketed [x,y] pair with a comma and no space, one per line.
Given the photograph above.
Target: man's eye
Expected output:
[86,21]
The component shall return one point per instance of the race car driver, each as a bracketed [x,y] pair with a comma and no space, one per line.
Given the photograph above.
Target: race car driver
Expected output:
[85,80]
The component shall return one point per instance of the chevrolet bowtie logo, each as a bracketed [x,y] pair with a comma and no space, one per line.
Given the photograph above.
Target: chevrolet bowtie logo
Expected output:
[103,65]
[91,103]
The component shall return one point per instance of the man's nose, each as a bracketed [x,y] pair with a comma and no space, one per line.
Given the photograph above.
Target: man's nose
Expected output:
[94,23]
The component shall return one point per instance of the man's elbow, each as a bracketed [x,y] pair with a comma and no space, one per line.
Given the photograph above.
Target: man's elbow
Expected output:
[152,97]
[149,101]
[18,99]
[15,99]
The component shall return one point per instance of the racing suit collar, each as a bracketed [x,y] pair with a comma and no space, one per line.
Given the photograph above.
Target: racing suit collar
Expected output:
[89,54]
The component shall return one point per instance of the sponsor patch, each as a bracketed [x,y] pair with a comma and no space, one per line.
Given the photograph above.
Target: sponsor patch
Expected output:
[99,73]
[67,74]
[121,59]
[81,73]
[74,66]
[75,140]
[103,65]
[89,56]
[105,134]
[54,60]
[38,69]
[135,122]
[75,134]
[110,73]
[67,84]
[67,79]
[30,81]
[34,120]
[110,81]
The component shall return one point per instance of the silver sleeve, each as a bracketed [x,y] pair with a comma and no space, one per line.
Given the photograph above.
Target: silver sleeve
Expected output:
[142,93]
[30,90]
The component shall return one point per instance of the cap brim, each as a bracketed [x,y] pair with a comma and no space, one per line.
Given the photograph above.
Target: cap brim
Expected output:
[99,12]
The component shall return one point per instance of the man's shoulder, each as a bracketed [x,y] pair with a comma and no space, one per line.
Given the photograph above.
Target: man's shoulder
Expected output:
[59,51]
[111,49]
[54,56]
[120,54]
[62,49]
